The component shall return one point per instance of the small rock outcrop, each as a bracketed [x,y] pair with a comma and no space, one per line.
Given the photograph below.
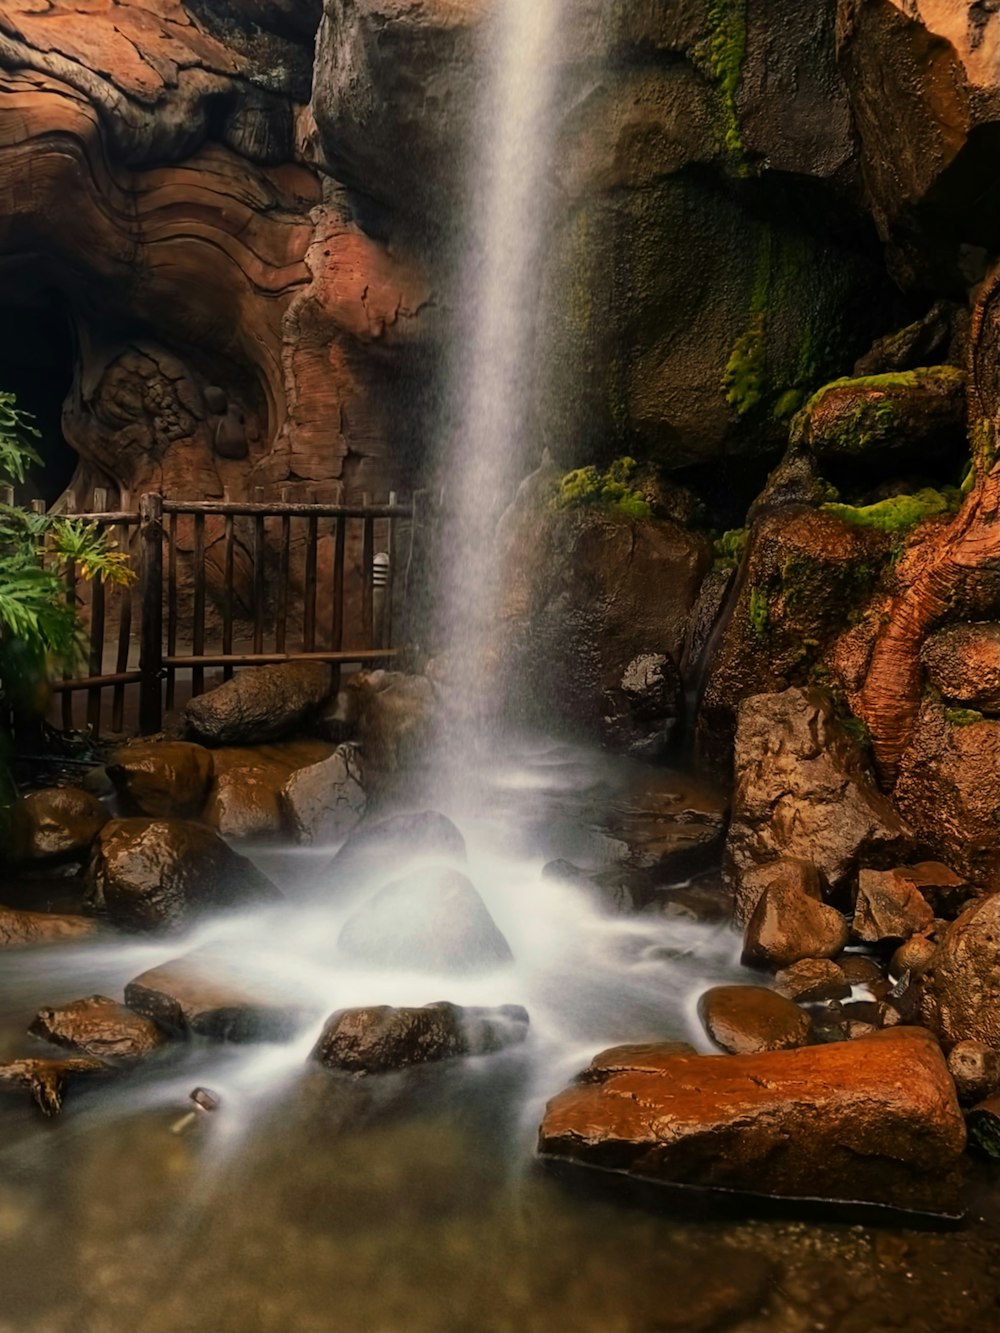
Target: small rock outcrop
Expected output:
[149,874]
[812,980]
[162,779]
[961,984]
[889,906]
[377,1039]
[205,995]
[99,1027]
[801,791]
[20,928]
[57,824]
[431,920]
[260,705]
[813,1122]
[746,1019]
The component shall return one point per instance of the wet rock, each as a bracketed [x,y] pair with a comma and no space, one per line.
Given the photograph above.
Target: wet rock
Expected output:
[431,920]
[802,792]
[163,778]
[619,888]
[889,906]
[788,925]
[147,874]
[323,802]
[262,704]
[746,1019]
[938,884]
[922,343]
[961,985]
[632,1056]
[57,824]
[915,414]
[377,1039]
[245,802]
[646,706]
[790,873]
[948,791]
[706,899]
[975,1069]
[867,1013]
[20,928]
[209,996]
[100,1027]
[963,662]
[673,833]
[912,956]
[381,846]
[859,969]
[391,714]
[983,1122]
[812,980]
[47,1080]
[812,1122]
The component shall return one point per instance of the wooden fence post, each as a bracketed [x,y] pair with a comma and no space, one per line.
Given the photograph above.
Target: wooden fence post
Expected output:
[151,592]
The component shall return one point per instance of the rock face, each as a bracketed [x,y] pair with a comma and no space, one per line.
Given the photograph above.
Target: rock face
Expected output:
[376,1040]
[20,928]
[876,1120]
[889,906]
[57,824]
[746,1019]
[961,985]
[260,705]
[432,920]
[324,802]
[245,800]
[801,791]
[963,662]
[204,995]
[148,874]
[168,778]
[100,1027]
[948,792]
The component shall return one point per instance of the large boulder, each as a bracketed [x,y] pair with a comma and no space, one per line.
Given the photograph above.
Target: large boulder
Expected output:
[431,920]
[212,997]
[162,778]
[788,925]
[802,792]
[947,788]
[961,983]
[875,1120]
[147,874]
[963,663]
[377,1039]
[56,824]
[788,872]
[245,801]
[18,928]
[100,1027]
[262,704]
[323,802]
[745,1019]
[380,847]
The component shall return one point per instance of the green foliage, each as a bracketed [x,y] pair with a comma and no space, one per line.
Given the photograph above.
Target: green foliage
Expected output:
[611,489]
[858,731]
[899,513]
[758,613]
[962,717]
[729,548]
[744,378]
[727,47]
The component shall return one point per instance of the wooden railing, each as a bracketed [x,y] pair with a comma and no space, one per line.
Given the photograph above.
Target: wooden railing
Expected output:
[231,584]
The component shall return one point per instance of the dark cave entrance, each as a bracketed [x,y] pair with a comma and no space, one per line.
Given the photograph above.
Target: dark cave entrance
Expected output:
[37,361]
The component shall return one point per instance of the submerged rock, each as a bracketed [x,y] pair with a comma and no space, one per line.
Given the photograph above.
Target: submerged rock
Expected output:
[432,920]
[57,824]
[376,1039]
[162,778]
[961,984]
[100,1027]
[206,995]
[379,847]
[323,802]
[745,1019]
[21,928]
[259,705]
[147,874]
[47,1080]
[817,1121]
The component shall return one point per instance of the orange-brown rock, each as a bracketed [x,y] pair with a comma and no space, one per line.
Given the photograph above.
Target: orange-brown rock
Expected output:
[787,871]
[811,980]
[245,800]
[889,906]
[745,1019]
[56,824]
[912,956]
[99,1027]
[788,925]
[162,778]
[975,1069]
[20,928]
[961,984]
[963,663]
[874,1119]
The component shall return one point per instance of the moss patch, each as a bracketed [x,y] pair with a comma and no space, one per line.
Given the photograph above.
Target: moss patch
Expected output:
[729,548]
[962,717]
[758,612]
[727,48]
[900,513]
[586,486]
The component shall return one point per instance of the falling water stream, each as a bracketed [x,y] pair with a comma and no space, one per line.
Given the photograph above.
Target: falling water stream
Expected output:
[409,1201]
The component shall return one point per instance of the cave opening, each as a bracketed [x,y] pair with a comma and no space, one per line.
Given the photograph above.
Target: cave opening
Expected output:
[37,363]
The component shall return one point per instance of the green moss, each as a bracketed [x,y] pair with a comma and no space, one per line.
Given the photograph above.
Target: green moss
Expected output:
[872,419]
[727,47]
[606,490]
[745,375]
[858,732]
[900,513]
[962,717]
[758,612]
[729,548]
[788,404]
[898,379]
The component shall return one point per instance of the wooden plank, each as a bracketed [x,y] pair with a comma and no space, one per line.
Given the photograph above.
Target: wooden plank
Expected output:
[284,559]
[67,703]
[339,554]
[309,586]
[269,659]
[227,597]
[117,678]
[151,631]
[172,612]
[367,575]
[259,588]
[95,661]
[390,549]
[245,509]
[198,616]
[124,631]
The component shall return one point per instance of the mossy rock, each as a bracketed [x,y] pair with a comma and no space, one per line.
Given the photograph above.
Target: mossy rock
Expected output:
[899,513]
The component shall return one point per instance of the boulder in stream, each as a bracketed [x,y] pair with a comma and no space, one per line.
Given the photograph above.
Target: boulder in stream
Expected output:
[384,846]
[323,802]
[100,1027]
[207,995]
[745,1019]
[376,1039]
[788,925]
[162,778]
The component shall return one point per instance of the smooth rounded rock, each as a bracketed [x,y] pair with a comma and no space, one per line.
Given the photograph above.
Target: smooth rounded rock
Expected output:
[260,704]
[746,1019]
[57,824]
[162,778]
[787,926]
[377,1039]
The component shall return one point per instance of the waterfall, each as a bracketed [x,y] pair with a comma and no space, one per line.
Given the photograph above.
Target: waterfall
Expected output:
[493,370]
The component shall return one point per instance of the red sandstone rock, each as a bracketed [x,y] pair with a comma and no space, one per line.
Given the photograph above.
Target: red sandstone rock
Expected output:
[874,1120]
